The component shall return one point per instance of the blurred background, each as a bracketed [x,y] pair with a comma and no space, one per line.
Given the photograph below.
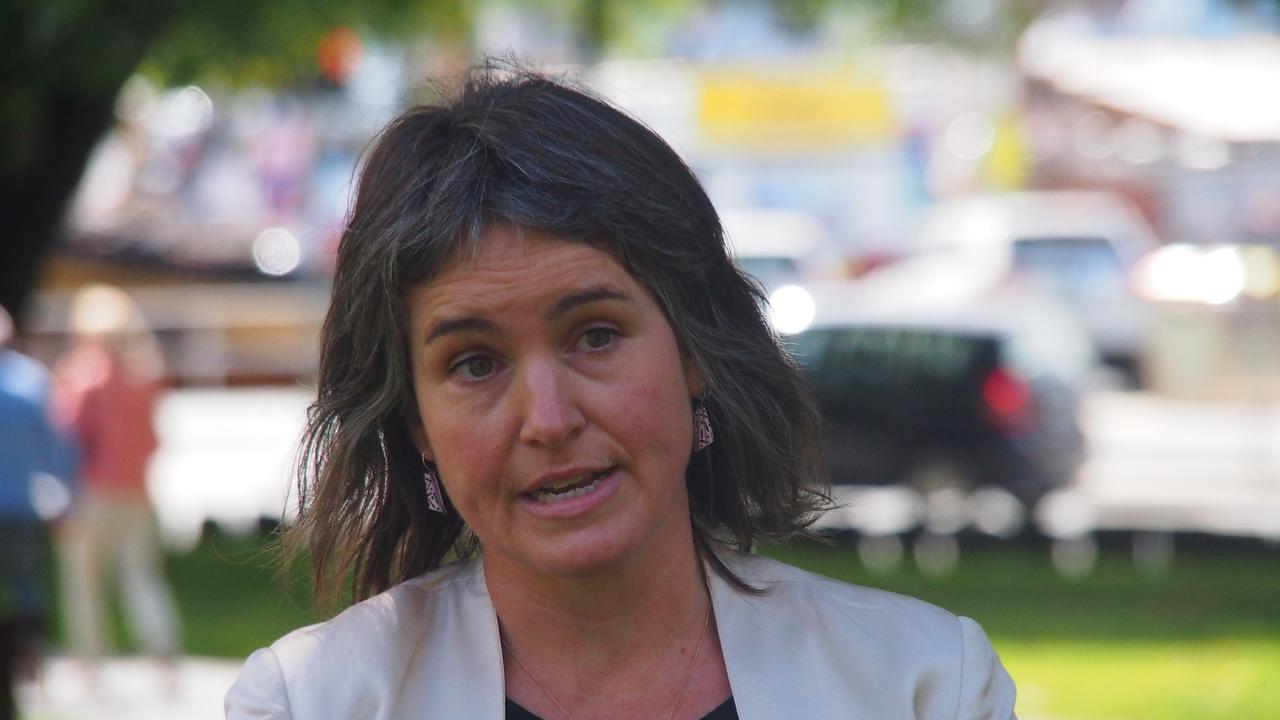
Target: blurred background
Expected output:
[1025,252]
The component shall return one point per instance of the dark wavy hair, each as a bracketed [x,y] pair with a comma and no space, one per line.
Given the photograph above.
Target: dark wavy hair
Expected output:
[519,147]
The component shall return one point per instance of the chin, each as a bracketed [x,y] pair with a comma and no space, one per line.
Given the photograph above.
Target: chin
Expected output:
[607,545]
[580,560]
[592,551]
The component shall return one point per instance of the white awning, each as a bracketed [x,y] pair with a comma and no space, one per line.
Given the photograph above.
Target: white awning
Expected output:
[1224,88]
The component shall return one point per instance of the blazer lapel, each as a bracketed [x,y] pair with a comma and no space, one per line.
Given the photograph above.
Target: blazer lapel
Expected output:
[774,664]
[465,655]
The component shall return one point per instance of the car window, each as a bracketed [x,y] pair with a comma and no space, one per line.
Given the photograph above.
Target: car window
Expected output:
[844,360]
[1071,265]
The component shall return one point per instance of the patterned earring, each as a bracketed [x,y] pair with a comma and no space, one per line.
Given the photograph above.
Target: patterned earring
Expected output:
[431,478]
[702,434]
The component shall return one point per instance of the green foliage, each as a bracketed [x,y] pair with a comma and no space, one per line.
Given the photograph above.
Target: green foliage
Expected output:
[239,41]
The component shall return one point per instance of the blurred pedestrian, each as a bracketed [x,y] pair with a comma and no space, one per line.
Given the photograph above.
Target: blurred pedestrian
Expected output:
[33,467]
[112,376]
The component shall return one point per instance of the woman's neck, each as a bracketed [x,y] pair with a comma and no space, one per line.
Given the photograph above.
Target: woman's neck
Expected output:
[629,635]
[603,609]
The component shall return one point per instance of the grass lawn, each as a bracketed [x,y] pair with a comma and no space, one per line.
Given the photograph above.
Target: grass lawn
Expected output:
[1202,642]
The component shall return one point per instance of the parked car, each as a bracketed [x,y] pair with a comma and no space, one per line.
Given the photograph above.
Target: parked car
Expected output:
[1080,246]
[960,396]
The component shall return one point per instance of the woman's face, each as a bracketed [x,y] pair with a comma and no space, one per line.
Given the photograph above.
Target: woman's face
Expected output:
[555,403]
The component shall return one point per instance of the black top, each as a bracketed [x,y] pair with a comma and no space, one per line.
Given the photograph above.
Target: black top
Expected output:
[726,711]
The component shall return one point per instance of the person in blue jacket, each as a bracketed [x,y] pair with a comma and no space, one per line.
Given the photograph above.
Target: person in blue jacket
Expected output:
[34,462]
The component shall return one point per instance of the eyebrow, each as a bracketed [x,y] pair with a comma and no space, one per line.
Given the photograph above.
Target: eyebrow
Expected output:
[465,324]
[573,300]
[559,309]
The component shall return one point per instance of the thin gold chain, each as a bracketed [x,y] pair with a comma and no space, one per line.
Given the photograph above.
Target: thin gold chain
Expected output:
[688,671]
[535,680]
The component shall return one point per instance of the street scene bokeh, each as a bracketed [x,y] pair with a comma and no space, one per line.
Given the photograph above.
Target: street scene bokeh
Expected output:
[1027,256]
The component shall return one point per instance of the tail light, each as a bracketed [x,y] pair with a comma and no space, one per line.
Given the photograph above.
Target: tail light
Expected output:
[1008,401]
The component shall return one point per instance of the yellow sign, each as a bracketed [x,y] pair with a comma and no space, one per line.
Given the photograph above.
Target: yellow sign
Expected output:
[781,112]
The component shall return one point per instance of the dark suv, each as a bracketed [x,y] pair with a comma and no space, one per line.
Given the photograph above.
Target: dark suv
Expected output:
[940,403]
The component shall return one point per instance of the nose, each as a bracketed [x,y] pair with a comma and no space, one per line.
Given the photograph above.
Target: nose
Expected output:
[551,415]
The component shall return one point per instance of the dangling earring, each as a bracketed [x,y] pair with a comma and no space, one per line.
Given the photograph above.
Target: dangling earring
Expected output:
[431,479]
[702,434]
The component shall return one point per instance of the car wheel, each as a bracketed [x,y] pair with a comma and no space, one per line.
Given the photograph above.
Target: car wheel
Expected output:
[944,485]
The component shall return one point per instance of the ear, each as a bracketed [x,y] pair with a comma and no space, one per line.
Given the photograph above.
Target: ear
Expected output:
[693,378]
[420,441]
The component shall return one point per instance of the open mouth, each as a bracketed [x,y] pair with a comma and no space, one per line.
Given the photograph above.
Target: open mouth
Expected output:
[570,487]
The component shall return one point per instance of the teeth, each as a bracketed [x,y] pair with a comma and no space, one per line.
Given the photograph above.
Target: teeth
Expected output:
[545,496]
[567,482]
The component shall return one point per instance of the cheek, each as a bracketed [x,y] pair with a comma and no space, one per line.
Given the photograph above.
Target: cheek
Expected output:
[461,446]
[653,413]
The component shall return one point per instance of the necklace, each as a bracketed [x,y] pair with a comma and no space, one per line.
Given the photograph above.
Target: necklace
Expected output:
[706,622]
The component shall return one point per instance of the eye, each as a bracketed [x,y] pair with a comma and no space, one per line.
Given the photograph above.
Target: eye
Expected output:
[599,337]
[474,367]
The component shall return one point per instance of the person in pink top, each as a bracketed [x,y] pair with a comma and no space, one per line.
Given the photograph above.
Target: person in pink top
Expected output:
[112,376]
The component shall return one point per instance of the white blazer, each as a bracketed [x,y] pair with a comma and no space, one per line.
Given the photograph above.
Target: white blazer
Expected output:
[811,647]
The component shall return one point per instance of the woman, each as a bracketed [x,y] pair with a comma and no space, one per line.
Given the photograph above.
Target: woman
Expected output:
[540,363]
[113,379]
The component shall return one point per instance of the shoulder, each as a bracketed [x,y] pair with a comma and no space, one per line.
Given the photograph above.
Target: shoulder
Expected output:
[397,615]
[913,653]
[880,610]
[23,376]
[352,657]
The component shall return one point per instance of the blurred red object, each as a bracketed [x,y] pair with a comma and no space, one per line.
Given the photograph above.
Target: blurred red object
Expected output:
[338,54]
[1008,400]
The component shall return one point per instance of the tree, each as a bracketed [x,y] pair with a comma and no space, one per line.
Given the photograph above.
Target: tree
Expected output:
[62,63]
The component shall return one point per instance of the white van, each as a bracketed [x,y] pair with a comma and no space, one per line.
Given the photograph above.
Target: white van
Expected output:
[1080,246]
